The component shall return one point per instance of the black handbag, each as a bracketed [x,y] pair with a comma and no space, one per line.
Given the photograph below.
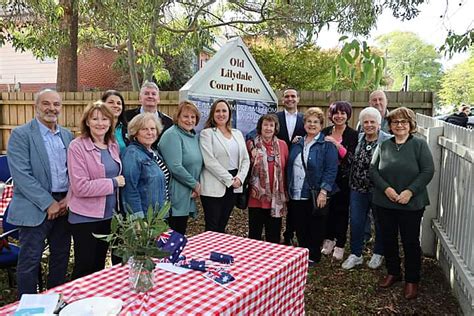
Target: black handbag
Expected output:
[242,199]
[316,210]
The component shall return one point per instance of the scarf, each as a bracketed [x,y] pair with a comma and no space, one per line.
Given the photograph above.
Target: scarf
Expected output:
[260,186]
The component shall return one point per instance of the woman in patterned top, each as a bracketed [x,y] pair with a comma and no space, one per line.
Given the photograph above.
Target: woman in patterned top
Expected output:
[145,173]
[361,189]
[268,195]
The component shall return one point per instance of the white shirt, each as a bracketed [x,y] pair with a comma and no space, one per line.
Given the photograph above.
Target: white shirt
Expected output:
[290,123]
[299,174]
[233,147]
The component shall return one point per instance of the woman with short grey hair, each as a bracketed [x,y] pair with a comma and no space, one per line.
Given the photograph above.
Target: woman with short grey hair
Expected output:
[361,189]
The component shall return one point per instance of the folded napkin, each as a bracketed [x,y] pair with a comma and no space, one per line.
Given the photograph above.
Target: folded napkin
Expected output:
[219,276]
[222,258]
[172,242]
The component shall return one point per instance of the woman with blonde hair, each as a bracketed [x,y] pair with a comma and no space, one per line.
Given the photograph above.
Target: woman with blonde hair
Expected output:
[312,166]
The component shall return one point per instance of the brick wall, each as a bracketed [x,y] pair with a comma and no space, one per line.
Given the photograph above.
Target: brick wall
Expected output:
[94,69]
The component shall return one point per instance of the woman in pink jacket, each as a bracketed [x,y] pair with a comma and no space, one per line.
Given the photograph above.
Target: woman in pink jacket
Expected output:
[94,173]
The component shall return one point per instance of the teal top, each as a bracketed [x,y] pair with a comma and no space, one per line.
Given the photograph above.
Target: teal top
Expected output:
[182,154]
[410,166]
[119,137]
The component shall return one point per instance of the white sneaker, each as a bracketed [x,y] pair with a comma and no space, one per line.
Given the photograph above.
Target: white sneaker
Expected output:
[352,261]
[375,262]
[328,246]
[338,253]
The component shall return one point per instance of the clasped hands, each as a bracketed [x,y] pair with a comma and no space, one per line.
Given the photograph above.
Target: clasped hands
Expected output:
[402,198]
[57,209]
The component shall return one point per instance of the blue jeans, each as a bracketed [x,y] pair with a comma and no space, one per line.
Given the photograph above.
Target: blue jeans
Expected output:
[360,205]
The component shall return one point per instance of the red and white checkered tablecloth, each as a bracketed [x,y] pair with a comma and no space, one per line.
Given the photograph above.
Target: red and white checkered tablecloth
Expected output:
[270,280]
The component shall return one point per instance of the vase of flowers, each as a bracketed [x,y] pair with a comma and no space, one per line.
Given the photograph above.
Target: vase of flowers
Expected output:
[133,238]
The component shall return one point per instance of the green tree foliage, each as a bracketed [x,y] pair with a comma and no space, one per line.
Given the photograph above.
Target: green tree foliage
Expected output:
[457,85]
[407,54]
[304,68]
[144,29]
[458,43]
[357,65]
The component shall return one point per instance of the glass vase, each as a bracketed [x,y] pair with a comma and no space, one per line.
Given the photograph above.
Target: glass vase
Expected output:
[140,279]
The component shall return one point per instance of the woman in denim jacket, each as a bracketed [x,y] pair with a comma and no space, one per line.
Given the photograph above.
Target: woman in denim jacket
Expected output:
[145,173]
[317,170]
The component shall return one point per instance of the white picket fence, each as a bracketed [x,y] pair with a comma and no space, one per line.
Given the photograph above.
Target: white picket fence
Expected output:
[448,225]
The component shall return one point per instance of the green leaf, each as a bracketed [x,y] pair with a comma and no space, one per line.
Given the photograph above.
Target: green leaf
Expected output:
[343,66]
[343,37]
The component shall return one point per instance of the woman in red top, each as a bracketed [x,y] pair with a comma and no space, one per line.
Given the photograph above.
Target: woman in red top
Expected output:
[268,196]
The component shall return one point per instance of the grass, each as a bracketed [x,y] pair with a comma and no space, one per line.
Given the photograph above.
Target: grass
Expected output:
[331,290]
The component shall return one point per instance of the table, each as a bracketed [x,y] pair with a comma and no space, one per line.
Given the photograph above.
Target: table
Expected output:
[270,279]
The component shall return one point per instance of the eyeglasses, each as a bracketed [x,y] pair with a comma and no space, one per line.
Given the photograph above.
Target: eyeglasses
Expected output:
[397,122]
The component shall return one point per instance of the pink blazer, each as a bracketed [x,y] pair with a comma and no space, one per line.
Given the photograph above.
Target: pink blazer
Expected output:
[88,185]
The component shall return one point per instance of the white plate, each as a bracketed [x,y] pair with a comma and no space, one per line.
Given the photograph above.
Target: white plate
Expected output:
[96,306]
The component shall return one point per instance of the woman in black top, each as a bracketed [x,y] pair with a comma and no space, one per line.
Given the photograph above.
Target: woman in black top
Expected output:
[345,140]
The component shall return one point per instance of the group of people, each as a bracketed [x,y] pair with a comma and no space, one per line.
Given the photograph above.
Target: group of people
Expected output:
[129,161]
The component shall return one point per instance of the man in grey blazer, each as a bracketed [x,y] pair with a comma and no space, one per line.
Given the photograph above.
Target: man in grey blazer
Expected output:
[37,160]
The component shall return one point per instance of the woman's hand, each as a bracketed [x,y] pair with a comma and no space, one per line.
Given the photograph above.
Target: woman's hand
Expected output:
[322,199]
[196,191]
[405,197]
[332,140]
[392,194]
[120,181]
[236,182]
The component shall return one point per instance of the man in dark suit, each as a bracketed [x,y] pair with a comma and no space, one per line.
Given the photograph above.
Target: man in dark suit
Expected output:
[291,131]
[149,99]
[37,161]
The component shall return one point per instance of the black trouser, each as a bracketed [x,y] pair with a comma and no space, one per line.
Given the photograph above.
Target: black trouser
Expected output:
[260,218]
[289,229]
[310,230]
[338,215]
[178,223]
[217,210]
[89,252]
[408,224]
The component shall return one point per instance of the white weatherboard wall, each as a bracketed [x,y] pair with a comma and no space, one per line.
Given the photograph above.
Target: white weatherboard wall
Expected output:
[16,66]
[234,75]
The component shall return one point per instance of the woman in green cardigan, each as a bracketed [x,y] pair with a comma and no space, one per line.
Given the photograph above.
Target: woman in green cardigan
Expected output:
[179,146]
[401,169]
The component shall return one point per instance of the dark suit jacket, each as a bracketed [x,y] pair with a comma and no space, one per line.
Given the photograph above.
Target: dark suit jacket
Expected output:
[166,121]
[283,133]
[31,173]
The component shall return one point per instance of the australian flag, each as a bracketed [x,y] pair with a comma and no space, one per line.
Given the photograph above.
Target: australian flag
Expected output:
[219,276]
[172,242]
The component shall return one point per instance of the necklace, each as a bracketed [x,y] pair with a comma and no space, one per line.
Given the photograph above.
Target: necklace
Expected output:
[399,146]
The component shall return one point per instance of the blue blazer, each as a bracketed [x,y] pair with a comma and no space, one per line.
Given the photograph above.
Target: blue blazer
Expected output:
[31,173]
[283,133]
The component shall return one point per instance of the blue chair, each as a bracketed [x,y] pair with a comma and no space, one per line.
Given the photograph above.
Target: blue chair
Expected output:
[4,170]
[9,254]
[8,251]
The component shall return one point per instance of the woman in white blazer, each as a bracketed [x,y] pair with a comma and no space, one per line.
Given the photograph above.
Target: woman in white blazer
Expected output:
[226,163]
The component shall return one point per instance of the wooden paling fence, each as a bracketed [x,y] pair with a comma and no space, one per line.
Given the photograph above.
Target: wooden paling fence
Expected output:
[448,223]
[17,108]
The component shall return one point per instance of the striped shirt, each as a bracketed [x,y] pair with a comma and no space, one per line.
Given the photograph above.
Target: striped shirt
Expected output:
[166,172]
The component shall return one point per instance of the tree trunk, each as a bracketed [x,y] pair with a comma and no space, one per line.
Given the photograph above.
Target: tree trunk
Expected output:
[131,62]
[152,50]
[67,58]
